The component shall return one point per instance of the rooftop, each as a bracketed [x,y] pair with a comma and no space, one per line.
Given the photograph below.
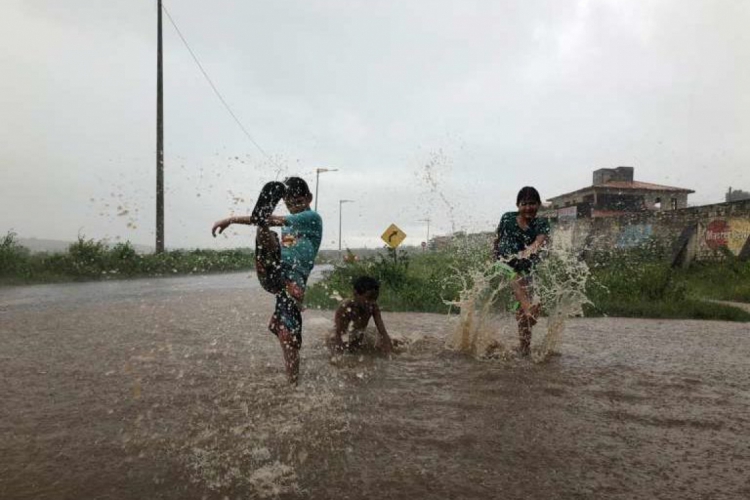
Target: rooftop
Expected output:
[627,185]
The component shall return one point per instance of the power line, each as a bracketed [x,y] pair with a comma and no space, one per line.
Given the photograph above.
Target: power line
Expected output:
[216,91]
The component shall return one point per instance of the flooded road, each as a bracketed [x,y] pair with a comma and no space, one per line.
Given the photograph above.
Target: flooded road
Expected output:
[174,389]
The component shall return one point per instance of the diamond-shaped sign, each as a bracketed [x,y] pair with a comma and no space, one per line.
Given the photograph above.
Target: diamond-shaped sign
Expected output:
[393,236]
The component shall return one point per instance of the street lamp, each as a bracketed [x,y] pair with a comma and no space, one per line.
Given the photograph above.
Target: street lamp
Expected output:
[317,175]
[428,229]
[341,202]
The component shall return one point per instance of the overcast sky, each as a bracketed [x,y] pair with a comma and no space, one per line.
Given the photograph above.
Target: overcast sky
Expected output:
[429,109]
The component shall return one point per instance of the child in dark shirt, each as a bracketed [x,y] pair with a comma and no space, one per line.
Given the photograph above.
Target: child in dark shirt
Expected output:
[519,239]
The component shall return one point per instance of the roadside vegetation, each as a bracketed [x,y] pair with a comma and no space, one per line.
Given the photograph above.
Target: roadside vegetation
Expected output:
[643,285]
[628,283]
[727,280]
[409,281]
[88,260]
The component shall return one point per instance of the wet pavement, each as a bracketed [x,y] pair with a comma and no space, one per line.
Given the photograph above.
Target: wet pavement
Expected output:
[174,389]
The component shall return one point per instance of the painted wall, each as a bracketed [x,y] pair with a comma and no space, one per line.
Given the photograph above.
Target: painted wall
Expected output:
[711,230]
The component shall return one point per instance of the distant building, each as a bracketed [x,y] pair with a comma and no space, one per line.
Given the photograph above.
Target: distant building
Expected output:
[615,192]
[736,195]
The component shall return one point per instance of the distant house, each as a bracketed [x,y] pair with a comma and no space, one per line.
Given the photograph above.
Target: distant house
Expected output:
[736,195]
[615,192]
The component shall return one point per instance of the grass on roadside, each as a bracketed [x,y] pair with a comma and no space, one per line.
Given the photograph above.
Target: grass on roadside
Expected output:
[625,283]
[88,260]
[684,309]
[622,283]
[725,280]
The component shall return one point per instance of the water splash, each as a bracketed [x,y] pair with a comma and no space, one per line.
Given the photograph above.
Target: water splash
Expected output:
[486,326]
[480,289]
[560,283]
[430,173]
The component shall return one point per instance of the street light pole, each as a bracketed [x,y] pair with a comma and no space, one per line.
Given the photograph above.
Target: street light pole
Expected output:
[318,171]
[427,220]
[341,202]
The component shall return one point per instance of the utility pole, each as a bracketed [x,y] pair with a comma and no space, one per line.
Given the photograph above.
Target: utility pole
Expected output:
[341,202]
[318,171]
[159,139]
[427,220]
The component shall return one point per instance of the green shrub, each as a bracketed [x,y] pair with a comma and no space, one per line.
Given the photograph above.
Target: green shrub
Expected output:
[87,259]
[407,283]
[723,280]
[14,258]
[632,283]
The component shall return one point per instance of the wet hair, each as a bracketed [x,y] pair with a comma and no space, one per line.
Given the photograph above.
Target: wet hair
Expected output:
[528,193]
[364,284]
[296,187]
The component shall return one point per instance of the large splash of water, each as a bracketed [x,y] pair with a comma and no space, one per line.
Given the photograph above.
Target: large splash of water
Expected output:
[486,326]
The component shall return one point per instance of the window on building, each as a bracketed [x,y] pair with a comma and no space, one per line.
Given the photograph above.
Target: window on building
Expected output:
[674,203]
[657,204]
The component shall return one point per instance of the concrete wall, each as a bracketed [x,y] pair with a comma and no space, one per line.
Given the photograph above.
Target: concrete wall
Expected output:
[666,198]
[736,195]
[701,233]
[647,196]
[604,175]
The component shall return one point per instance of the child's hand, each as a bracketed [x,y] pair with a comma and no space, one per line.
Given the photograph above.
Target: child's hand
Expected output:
[387,347]
[527,253]
[337,345]
[221,226]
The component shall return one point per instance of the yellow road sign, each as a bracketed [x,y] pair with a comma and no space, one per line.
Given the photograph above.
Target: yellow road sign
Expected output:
[393,236]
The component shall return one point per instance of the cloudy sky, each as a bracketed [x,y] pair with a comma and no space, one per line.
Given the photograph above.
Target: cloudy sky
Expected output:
[429,109]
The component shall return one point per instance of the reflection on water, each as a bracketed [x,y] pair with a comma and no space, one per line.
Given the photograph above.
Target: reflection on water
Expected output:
[46,295]
[185,397]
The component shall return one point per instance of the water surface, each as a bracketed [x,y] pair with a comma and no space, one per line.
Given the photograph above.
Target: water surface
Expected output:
[176,391]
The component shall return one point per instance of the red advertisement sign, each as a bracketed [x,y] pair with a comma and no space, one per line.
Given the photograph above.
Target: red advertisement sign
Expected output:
[717,234]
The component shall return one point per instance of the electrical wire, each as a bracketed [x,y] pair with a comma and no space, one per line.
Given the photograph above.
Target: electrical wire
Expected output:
[216,91]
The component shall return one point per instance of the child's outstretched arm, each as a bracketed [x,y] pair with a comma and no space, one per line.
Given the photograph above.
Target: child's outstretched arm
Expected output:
[387,344]
[220,226]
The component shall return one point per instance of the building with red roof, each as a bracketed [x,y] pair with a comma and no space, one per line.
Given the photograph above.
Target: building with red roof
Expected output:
[614,192]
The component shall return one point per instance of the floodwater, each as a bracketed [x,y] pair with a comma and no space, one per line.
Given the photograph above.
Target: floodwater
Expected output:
[173,389]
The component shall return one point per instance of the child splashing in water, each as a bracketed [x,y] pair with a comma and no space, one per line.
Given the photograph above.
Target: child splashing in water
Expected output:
[520,238]
[356,312]
[283,267]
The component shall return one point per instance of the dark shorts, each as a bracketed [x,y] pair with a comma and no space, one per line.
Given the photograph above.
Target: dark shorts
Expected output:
[512,272]
[523,266]
[273,277]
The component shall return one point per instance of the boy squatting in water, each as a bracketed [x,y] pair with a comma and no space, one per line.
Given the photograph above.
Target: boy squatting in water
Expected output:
[356,312]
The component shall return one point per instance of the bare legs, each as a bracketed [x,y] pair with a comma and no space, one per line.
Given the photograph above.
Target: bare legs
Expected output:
[267,244]
[268,268]
[290,351]
[526,316]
